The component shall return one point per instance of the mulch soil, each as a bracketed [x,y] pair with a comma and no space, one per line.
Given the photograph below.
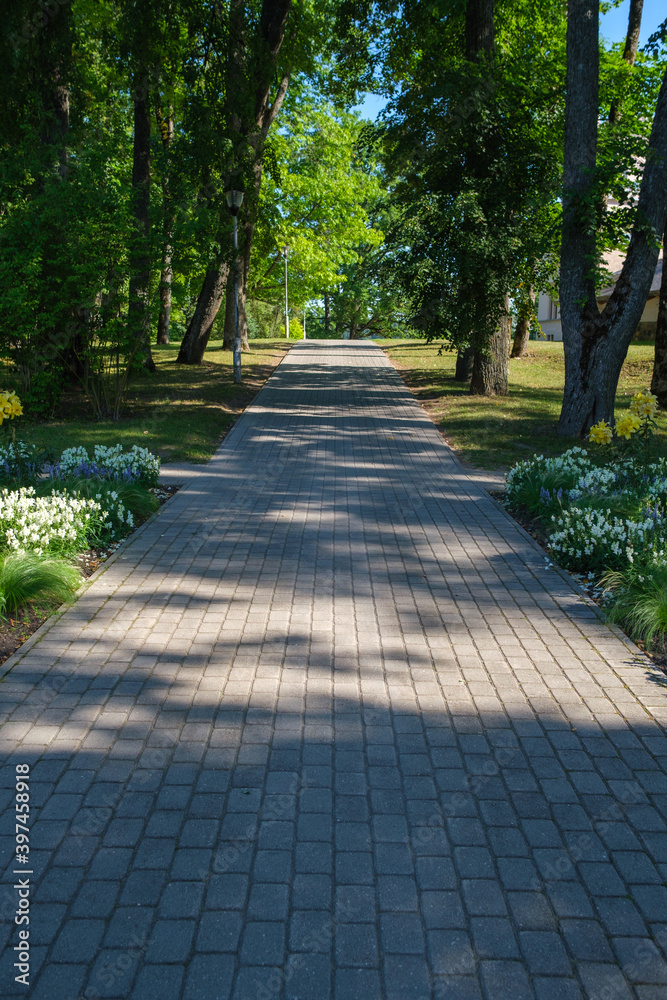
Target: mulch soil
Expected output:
[16,629]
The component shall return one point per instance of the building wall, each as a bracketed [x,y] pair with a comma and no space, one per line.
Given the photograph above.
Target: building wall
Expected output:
[548,316]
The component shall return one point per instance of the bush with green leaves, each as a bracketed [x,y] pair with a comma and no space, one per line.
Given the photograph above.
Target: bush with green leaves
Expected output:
[20,463]
[138,465]
[58,524]
[134,497]
[605,515]
[596,540]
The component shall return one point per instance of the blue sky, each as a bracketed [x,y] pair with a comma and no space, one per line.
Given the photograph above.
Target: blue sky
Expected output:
[613,26]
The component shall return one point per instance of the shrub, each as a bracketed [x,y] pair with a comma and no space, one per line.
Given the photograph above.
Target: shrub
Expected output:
[58,523]
[28,577]
[134,497]
[595,539]
[135,465]
[19,463]
[527,480]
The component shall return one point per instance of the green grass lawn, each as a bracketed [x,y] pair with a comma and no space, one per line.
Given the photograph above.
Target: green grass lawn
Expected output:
[496,432]
[181,412]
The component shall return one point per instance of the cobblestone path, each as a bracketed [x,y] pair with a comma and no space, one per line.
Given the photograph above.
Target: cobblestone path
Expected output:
[328,730]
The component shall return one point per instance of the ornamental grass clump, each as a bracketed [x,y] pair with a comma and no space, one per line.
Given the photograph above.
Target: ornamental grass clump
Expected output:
[26,578]
[637,601]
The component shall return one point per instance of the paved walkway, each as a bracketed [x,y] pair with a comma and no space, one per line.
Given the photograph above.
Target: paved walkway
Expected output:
[328,730]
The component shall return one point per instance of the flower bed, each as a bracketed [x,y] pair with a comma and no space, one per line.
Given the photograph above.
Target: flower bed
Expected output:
[60,520]
[59,523]
[604,512]
[136,465]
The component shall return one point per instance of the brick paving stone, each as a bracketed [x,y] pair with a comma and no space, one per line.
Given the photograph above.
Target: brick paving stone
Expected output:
[328,729]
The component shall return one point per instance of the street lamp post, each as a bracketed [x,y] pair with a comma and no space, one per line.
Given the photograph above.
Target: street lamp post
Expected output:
[285,252]
[234,199]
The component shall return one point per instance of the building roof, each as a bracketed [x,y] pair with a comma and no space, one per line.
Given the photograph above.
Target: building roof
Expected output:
[605,293]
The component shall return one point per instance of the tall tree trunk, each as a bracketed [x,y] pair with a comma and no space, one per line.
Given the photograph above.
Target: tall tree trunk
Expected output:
[464,361]
[166,126]
[199,328]
[491,368]
[490,363]
[480,28]
[57,338]
[140,274]
[230,318]
[659,380]
[525,313]
[259,77]
[595,344]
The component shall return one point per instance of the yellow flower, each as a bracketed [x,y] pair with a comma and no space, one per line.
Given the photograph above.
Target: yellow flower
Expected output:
[627,424]
[600,433]
[10,405]
[644,404]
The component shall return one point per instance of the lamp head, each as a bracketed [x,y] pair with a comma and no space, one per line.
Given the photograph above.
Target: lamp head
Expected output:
[234,199]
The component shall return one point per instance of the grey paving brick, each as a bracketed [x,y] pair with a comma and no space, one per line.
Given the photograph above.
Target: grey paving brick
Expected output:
[406,978]
[227,891]
[504,979]
[585,938]
[401,934]
[311,931]
[308,977]
[263,943]
[79,941]
[159,983]
[59,980]
[209,977]
[599,978]
[552,988]
[356,945]
[483,898]
[544,953]
[357,984]
[114,971]
[640,960]
[494,937]
[219,931]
